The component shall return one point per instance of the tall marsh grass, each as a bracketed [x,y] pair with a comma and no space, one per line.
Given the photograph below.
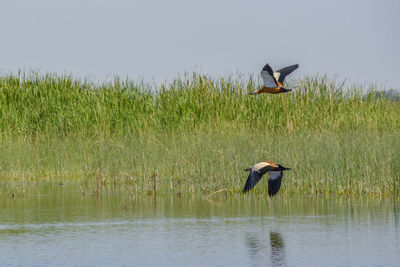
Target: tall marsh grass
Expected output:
[197,134]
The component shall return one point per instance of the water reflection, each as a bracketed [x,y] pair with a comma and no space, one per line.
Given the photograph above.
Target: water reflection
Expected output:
[396,215]
[277,249]
[118,229]
[257,248]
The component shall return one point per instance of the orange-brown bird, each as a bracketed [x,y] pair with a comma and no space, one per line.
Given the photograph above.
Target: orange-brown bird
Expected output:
[261,168]
[273,81]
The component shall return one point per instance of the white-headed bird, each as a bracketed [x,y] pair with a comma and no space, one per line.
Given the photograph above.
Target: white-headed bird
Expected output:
[273,81]
[261,168]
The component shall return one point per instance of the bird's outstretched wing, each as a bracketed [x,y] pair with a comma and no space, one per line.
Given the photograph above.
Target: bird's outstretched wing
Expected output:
[282,73]
[268,77]
[274,182]
[252,180]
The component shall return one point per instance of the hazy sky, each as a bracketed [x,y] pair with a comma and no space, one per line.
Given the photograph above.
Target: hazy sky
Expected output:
[156,40]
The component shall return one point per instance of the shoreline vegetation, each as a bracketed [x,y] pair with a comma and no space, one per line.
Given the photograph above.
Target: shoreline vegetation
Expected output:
[196,135]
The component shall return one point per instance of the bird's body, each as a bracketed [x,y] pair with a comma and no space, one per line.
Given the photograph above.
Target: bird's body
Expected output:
[273,81]
[261,168]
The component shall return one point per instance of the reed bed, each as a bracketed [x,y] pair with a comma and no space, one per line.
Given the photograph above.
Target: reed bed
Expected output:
[196,135]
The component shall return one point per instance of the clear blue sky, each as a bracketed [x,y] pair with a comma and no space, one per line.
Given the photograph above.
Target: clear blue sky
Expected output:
[158,39]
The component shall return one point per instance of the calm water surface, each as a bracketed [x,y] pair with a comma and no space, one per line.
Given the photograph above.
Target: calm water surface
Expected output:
[62,227]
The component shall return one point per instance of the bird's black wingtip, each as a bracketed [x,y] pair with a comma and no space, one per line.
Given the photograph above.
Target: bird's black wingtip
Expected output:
[272,192]
[267,67]
[292,67]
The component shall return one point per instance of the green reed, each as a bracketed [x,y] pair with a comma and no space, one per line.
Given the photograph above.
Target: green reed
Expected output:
[196,134]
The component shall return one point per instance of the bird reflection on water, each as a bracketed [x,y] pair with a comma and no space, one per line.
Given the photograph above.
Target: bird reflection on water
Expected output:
[259,249]
[277,249]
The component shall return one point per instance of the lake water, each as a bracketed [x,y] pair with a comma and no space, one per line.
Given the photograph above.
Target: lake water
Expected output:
[62,227]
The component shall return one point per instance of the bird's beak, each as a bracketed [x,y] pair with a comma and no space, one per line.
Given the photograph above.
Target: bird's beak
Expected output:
[253,93]
[249,168]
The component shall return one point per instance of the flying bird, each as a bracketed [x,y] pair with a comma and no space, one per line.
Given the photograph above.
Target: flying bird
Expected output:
[261,168]
[273,81]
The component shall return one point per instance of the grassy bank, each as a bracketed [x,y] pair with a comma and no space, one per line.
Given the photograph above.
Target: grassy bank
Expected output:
[196,135]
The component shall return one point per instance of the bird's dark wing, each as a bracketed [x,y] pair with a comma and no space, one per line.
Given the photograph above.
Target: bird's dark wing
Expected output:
[286,71]
[252,180]
[274,182]
[268,77]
